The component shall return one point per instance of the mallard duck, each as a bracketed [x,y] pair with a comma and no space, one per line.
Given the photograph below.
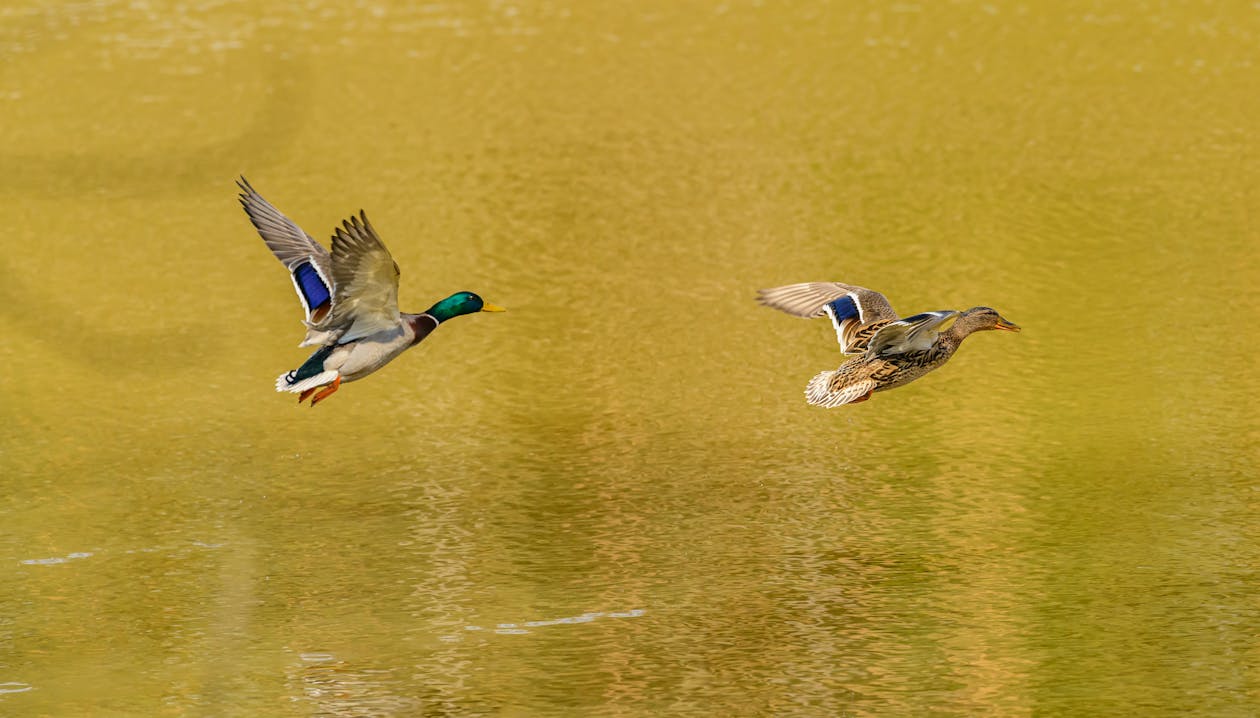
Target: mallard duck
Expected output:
[888,351]
[350,298]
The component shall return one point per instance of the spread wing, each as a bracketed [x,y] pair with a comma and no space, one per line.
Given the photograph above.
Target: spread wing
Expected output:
[365,278]
[309,264]
[852,309]
[916,333]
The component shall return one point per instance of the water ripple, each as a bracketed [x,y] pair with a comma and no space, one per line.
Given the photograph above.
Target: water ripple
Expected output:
[516,629]
[56,559]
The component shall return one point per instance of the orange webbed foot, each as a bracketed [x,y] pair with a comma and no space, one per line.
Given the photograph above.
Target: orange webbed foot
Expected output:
[326,392]
[306,394]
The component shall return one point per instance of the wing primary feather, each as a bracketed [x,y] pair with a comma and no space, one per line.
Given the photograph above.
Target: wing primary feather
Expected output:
[365,280]
[308,263]
[810,299]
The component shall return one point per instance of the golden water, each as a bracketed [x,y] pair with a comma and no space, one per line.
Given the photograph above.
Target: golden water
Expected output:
[612,500]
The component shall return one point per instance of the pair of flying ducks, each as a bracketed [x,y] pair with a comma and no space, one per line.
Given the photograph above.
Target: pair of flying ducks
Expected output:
[350,297]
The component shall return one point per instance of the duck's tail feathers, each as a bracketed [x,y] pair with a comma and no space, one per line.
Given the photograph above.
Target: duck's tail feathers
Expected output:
[822,392]
[289,382]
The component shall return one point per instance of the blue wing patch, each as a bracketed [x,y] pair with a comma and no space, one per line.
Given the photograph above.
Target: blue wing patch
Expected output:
[312,288]
[845,314]
[844,308]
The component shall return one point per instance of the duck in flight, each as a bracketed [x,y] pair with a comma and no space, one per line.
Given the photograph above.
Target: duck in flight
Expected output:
[887,351]
[350,298]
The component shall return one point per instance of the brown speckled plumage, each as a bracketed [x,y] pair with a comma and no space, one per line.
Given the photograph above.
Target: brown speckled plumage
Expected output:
[889,352]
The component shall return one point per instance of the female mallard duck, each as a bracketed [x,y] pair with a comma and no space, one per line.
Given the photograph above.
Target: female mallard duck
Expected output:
[890,351]
[350,298]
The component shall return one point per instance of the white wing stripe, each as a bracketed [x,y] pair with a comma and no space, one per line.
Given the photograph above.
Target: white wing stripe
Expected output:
[297,287]
[835,323]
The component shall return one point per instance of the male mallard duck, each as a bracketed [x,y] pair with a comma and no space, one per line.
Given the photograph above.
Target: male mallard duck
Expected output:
[890,351]
[350,298]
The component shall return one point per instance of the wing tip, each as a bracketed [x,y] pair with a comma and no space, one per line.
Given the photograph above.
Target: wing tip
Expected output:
[355,229]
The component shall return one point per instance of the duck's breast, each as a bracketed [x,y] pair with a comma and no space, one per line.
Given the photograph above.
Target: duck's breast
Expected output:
[371,353]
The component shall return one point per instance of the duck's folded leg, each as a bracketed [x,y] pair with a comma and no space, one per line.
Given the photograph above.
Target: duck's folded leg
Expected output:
[307,394]
[327,391]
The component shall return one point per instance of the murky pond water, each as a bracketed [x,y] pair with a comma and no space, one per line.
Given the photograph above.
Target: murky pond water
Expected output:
[613,500]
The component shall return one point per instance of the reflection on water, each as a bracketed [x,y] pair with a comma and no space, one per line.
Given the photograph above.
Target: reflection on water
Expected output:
[615,501]
[516,629]
[14,687]
[333,688]
[56,559]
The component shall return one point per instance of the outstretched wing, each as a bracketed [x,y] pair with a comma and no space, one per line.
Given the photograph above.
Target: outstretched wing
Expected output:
[365,277]
[916,333]
[852,309]
[309,264]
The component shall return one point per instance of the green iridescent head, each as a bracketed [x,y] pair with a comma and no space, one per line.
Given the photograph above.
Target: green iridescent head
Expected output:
[458,304]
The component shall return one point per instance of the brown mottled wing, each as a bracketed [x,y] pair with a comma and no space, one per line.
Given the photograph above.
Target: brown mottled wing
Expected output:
[854,311]
[912,334]
[365,281]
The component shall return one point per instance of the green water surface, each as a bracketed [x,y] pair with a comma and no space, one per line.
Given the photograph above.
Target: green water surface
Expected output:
[612,500]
